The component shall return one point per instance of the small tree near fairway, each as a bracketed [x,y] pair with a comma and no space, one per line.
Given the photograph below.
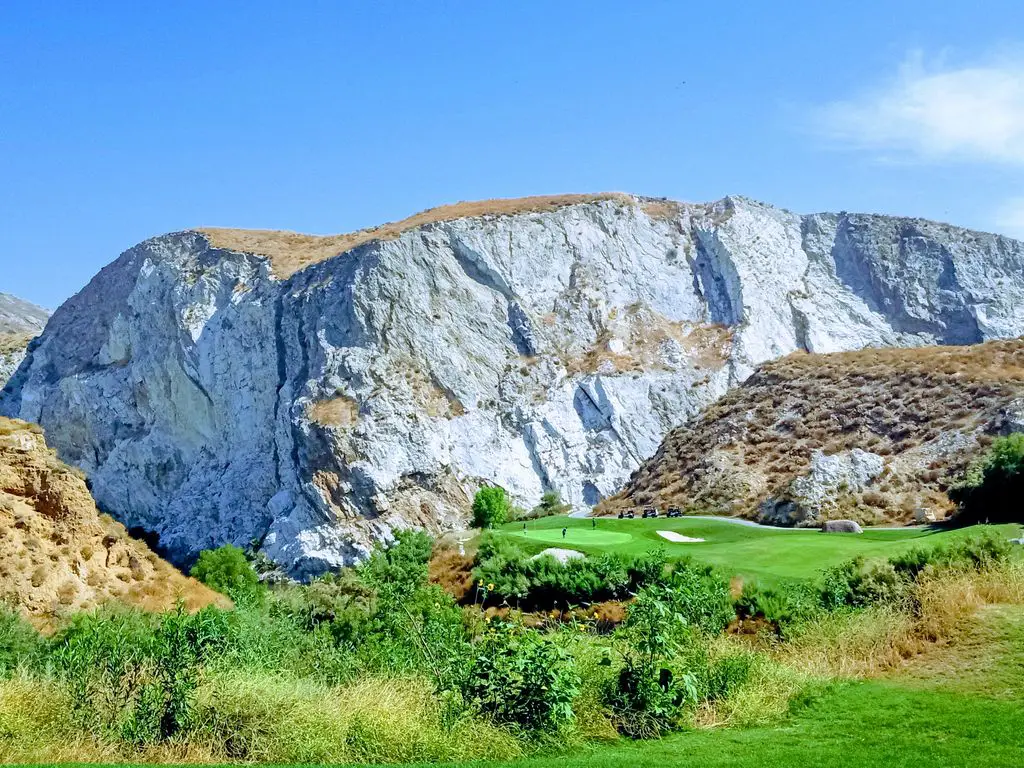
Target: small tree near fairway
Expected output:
[490,507]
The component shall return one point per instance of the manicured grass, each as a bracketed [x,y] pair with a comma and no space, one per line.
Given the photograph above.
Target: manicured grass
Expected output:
[765,554]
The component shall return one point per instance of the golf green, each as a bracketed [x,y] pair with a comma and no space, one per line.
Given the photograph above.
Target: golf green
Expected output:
[580,537]
[768,555]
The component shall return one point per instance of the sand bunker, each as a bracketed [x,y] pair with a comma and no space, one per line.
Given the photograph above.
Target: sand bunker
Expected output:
[678,538]
[561,555]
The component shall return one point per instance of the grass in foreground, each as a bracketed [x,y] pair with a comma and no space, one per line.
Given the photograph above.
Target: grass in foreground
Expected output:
[954,706]
[767,555]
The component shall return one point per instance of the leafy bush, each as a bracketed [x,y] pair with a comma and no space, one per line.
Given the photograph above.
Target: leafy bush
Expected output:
[491,508]
[912,562]
[992,487]
[981,551]
[523,679]
[401,566]
[647,696]
[227,570]
[785,606]
[20,644]
[550,504]
[133,677]
[978,551]
[698,595]
[512,575]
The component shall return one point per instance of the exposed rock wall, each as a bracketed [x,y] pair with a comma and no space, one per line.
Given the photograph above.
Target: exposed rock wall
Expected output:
[19,322]
[313,400]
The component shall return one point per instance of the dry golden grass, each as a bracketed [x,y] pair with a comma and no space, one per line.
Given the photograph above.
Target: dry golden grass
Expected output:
[290,252]
[881,639]
[664,210]
[340,412]
[645,337]
[13,342]
[898,403]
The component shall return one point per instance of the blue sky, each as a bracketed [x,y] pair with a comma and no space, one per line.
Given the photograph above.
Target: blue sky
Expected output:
[119,121]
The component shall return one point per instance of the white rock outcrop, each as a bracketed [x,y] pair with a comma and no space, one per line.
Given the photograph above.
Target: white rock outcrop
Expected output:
[19,322]
[829,476]
[212,396]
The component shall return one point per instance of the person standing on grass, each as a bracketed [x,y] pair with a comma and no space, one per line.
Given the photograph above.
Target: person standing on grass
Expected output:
[563,532]
[593,522]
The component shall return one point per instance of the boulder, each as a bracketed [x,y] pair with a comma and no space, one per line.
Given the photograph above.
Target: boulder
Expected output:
[841,526]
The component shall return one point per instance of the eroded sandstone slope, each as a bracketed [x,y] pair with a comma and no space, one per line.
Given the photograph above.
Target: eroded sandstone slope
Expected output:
[58,554]
[312,393]
[876,435]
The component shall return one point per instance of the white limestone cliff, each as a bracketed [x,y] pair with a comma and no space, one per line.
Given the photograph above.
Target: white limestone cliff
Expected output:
[315,404]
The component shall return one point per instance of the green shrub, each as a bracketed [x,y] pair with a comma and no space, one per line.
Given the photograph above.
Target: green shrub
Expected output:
[400,566]
[20,644]
[421,632]
[786,605]
[912,562]
[491,508]
[227,571]
[647,696]
[275,638]
[523,679]
[133,677]
[698,595]
[512,575]
[978,551]
[724,677]
[340,604]
[992,488]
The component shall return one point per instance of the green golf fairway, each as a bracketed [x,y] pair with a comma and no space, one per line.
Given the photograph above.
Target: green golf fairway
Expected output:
[766,554]
[578,538]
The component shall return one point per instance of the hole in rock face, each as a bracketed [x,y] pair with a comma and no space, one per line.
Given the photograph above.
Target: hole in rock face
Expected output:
[152,538]
[591,495]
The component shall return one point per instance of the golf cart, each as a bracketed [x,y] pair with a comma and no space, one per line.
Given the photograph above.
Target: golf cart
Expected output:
[674,512]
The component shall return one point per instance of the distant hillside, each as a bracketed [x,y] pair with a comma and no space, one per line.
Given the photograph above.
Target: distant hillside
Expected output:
[58,554]
[20,321]
[874,435]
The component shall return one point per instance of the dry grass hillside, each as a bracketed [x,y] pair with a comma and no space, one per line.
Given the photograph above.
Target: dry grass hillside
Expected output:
[11,343]
[58,553]
[289,252]
[927,412]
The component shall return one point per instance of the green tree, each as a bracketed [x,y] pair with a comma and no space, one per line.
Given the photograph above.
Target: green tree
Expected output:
[227,570]
[992,488]
[402,566]
[550,504]
[490,507]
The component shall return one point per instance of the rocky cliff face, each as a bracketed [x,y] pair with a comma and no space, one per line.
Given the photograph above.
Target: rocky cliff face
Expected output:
[313,393]
[19,322]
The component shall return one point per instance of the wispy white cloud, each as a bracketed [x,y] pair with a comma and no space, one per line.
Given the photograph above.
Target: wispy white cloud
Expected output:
[1009,217]
[935,112]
